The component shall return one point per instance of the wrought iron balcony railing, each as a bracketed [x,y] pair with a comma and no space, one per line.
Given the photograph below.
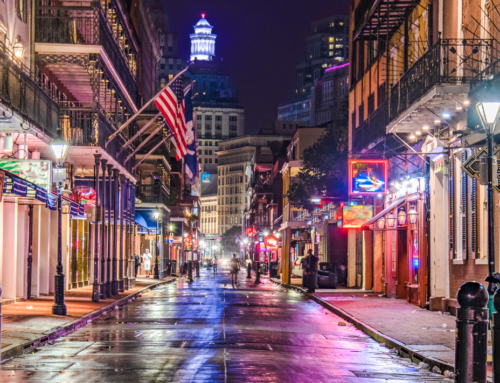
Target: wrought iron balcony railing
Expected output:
[93,24]
[154,194]
[371,129]
[449,61]
[23,93]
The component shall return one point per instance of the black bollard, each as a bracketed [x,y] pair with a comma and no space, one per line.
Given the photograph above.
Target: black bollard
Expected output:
[197,269]
[249,271]
[471,342]
[190,271]
[495,337]
[257,273]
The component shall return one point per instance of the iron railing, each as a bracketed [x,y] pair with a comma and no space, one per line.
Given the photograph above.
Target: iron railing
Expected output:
[154,194]
[449,61]
[370,130]
[24,93]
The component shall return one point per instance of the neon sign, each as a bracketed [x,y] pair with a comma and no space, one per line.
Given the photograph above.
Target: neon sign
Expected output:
[356,216]
[367,177]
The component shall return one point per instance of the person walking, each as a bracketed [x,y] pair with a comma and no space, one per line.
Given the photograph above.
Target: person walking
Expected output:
[137,260]
[312,271]
[146,260]
[234,267]
[214,264]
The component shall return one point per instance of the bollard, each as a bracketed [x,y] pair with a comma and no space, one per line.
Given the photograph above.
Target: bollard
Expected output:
[471,343]
[169,268]
[495,337]
[257,273]
[190,271]
[197,269]
[249,271]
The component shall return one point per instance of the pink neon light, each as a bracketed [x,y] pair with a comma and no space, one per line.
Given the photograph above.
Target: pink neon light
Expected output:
[203,15]
[336,67]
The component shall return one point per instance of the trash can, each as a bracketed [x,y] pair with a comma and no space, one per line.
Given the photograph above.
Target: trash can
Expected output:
[174,267]
[327,280]
[273,272]
[325,266]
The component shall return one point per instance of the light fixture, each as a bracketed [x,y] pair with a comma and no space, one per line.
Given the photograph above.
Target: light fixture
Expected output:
[245,241]
[418,133]
[412,215]
[156,214]
[466,102]
[391,220]
[266,233]
[402,217]
[381,223]
[437,121]
[488,111]
[185,235]
[425,127]
[446,115]
[18,49]
[8,143]
[171,227]
[278,234]
[59,148]
[458,106]
[412,136]
[379,195]
[316,200]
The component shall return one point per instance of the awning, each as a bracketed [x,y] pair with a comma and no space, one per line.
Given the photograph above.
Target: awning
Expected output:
[387,210]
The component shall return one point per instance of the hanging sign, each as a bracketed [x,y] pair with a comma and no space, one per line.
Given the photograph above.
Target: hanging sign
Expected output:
[367,177]
[356,216]
[38,172]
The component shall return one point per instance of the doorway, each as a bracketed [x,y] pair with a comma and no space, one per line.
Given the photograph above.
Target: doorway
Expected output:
[402,266]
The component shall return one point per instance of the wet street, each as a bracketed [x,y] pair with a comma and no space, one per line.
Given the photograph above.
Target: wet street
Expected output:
[207,331]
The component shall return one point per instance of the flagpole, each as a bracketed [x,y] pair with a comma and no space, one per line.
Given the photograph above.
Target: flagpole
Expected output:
[127,123]
[143,143]
[152,150]
[127,144]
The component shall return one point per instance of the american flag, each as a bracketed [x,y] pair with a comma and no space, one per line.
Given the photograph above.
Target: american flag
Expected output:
[167,103]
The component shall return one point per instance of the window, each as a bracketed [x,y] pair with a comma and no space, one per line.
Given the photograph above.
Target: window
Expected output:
[206,160]
[331,46]
[200,152]
[233,118]
[171,66]
[218,118]
[232,127]
[206,152]
[210,152]
[21,7]
[198,117]
[170,76]
[216,160]
[208,118]
[162,66]
[218,127]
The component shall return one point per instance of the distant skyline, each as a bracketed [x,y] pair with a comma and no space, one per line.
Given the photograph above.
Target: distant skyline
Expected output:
[261,43]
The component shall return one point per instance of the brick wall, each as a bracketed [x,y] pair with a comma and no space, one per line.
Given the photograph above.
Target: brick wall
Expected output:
[469,271]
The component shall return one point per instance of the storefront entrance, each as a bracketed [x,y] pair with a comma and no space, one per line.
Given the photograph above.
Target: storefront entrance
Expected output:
[402,265]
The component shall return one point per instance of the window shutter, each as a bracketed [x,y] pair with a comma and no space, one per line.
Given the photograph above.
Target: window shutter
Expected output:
[464,213]
[451,198]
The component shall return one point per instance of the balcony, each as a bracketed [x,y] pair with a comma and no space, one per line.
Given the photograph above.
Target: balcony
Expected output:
[371,130]
[23,93]
[97,28]
[154,194]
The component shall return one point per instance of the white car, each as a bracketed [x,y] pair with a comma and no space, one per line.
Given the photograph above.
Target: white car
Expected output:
[297,270]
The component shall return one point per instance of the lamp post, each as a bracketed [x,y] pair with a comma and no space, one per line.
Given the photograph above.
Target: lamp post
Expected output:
[157,216]
[488,110]
[59,149]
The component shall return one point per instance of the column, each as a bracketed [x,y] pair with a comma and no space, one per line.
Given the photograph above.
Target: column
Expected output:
[123,183]
[102,285]
[116,206]
[9,245]
[95,285]
[110,193]
[286,267]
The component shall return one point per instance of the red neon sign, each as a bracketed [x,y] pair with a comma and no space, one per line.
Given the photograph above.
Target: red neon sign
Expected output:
[368,177]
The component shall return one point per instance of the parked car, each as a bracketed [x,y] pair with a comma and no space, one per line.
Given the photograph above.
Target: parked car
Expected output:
[297,268]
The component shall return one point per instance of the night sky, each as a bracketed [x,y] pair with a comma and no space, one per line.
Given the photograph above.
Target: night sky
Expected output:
[261,42]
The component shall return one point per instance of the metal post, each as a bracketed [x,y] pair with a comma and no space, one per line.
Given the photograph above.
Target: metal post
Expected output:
[495,337]
[257,273]
[190,271]
[109,291]
[30,250]
[249,271]
[471,341]
[95,285]
[59,307]
[116,204]
[157,255]
[197,269]
[123,183]
[102,285]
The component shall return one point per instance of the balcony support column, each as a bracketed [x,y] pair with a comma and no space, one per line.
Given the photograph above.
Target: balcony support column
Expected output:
[95,286]
[109,291]
[116,206]
[104,240]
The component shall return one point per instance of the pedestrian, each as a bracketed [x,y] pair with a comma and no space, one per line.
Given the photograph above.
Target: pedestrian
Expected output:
[234,267]
[137,260]
[146,259]
[214,265]
[303,263]
[248,261]
[312,271]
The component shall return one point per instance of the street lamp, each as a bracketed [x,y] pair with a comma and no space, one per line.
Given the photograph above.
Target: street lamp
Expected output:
[381,223]
[59,149]
[412,215]
[391,220]
[488,110]
[157,215]
[18,49]
[402,217]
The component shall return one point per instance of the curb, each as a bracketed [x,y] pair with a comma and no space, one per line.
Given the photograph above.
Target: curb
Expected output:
[391,343]
[57,332]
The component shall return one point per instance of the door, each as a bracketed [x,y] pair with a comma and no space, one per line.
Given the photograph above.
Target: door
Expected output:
[391,263]
[402,266]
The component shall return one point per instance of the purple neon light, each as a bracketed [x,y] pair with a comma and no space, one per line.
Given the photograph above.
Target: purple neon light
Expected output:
[336,67]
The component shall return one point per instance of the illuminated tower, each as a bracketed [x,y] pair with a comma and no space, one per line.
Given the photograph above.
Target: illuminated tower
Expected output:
[202,41]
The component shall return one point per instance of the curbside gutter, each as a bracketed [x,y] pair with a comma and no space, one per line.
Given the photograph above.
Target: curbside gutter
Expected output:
[391,343]
[57,332]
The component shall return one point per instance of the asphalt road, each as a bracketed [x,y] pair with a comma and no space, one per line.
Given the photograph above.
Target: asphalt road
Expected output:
[209,331]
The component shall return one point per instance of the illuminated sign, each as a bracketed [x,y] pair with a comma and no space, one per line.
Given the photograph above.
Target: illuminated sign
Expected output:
[356,216]
[367,177]
[251,231]
[271,243]
[206,178]
[38,172]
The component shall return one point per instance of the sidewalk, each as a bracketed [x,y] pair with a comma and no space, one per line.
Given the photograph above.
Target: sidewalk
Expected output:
[24,329]
[418,334]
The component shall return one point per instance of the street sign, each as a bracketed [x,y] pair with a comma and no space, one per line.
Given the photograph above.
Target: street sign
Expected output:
[471,166]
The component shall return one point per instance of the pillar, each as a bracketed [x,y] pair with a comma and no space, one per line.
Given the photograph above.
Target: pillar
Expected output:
[116,207]
[286,267]
[351,258]
[108,231]
[95,285]
[9,245]
[123,184]
[104,240]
